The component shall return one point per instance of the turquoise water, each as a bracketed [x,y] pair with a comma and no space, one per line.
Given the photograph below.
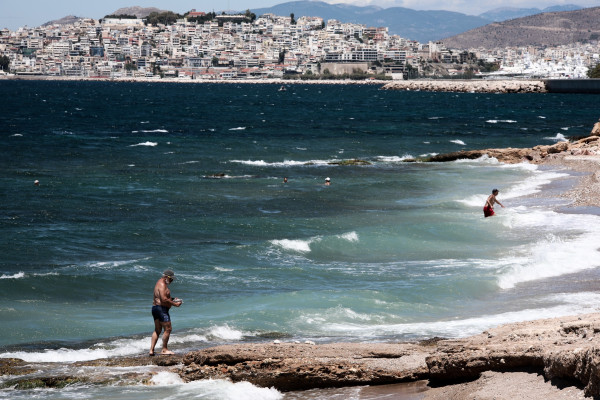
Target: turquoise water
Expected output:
[136,178]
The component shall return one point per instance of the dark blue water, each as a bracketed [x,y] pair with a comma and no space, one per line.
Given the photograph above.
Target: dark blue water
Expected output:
[136,178]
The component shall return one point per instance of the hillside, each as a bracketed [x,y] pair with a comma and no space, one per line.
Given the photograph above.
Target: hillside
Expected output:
[547,29]
[506,13]
[69,19]
[422,26]
[140,12]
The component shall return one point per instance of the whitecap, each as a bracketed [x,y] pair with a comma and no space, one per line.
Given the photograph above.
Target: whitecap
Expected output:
[553,255]
[290,163]
[225,332]
[149,144]
[458,141]
[19,275]
[216,388]
[350,236]
[395,159]
[155,131]
[239,128]
[16,135]
[269,211]
[559,138]
[300,246]
[498,121]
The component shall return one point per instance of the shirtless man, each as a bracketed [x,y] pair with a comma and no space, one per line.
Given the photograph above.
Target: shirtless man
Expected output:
[488,208]
[160,311]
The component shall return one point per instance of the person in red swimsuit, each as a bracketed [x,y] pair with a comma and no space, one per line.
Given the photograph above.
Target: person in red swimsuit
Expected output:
[488,208]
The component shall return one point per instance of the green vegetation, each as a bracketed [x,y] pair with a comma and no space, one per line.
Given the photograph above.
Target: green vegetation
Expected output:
[293,20]
[121,16]
[4,63]
[594,72]
[488,66]
[201,19]
[250,16]
[165,18]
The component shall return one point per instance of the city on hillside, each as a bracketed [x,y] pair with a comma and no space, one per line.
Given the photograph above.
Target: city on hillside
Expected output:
[205,46]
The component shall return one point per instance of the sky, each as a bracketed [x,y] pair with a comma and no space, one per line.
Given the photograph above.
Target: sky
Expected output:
[32,13]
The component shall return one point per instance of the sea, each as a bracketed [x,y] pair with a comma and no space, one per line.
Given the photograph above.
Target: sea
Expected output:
[135,178]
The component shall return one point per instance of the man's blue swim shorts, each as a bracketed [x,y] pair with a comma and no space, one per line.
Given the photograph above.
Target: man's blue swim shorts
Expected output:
[161,313]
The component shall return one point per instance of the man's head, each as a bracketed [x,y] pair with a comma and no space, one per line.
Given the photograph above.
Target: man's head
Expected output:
[169,274]
[495,192]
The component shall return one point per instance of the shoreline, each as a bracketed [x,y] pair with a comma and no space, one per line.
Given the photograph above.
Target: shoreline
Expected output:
[270,81]
[464,86]
[555,358]
[426,85]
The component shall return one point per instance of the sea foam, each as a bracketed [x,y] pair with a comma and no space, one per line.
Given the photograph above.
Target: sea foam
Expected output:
[350,323]
[290,163]
[300,246]
[18,275]
[148,144]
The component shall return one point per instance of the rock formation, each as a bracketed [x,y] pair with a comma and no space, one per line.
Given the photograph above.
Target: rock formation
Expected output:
[470,86]
[295,366]
[537,154]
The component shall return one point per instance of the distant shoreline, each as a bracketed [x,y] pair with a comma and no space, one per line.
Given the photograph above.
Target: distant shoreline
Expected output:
[272,81]
[416,85]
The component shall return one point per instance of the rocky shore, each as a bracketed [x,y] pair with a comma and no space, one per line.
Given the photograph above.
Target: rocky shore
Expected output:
[561,349]
[458,85]
[556,358]
[470,86]
[560,355]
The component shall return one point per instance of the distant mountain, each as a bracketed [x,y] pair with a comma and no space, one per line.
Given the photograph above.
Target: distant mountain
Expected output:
[69,19]
[547,29]
[506,13]
[422,26]
[140,12]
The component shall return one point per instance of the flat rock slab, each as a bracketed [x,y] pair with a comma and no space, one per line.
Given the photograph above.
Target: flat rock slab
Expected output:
[294,366]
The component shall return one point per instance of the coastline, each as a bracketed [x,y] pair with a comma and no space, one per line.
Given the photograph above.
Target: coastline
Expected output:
[270,81]
[443,85]
[553,358]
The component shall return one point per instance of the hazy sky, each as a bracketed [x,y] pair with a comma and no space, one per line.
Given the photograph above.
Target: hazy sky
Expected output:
[17,13]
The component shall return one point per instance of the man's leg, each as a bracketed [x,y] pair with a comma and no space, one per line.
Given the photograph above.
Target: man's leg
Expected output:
[155,335]
[167,327]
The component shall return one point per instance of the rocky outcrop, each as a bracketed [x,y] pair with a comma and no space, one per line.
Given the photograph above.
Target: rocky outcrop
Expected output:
[470,86]
[564,348]
[295,366]
[596,129]
[586,146]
